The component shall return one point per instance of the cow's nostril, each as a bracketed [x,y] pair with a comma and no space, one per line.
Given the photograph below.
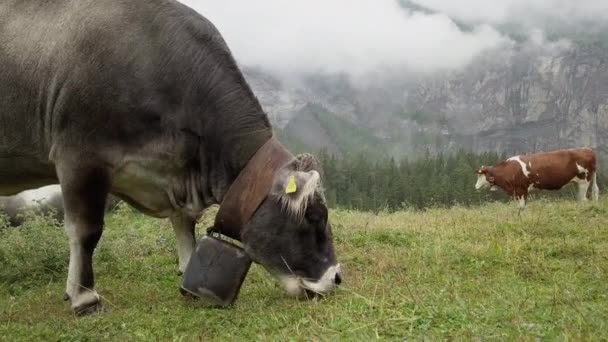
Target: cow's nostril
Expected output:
[337,279]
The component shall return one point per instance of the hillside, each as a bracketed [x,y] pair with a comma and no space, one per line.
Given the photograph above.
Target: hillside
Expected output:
[527,96]
[463,274]
[315,128]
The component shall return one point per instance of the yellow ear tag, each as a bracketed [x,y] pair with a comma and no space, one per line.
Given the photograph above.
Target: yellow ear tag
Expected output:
[291,185]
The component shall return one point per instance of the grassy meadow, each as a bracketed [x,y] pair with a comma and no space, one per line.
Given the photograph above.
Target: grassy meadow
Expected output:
[459,274]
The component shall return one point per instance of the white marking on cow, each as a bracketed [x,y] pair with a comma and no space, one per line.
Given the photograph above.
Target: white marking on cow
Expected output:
[582,170]
[578,180]
[531,187]
[326,283]
[482,182]
[295,204]
[75,257]
[292,285]
[295,286]
[84,298]
[493,188]
[524,169]
[583,186]
[522,202]
[184,239]
[78,296]
[595,190]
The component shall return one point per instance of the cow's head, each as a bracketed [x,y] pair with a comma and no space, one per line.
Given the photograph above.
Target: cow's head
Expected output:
[290,234]
[485,179]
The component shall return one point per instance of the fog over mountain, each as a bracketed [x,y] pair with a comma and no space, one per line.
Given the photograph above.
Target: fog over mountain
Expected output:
[531,13]
[343,36]
[358,36]
[415,76]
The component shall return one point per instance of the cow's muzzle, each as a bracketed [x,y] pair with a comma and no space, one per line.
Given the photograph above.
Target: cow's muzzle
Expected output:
[296,286]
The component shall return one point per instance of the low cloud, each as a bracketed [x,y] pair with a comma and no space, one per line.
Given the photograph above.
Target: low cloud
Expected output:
[354,37]
[525,12]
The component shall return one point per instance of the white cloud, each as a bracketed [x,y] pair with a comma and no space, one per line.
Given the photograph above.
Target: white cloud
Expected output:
[350,36]
[520,11]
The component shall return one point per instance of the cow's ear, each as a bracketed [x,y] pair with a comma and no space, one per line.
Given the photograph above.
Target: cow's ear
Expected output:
[307,162]
[295,189]
[298,183]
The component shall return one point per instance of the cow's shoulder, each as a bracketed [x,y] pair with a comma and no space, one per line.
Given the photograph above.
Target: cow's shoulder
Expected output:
[583,153]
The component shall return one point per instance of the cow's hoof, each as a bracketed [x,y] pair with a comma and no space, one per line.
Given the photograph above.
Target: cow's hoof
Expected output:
[187,294]
[86,303]
[88,309]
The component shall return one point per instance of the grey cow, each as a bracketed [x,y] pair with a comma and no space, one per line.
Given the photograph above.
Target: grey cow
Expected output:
[144,100]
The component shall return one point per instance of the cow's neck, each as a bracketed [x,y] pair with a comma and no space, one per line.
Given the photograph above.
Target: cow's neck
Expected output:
[243,147]
[233,126]
[233,150]
[250,188]
[499,179]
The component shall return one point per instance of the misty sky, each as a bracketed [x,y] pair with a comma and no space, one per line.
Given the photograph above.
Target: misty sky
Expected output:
[520,11]
[359,36]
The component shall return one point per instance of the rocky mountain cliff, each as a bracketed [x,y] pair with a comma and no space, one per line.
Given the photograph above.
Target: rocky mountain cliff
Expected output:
[521,98]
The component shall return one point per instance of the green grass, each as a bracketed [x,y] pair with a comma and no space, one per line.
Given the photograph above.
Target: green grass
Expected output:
[476,273]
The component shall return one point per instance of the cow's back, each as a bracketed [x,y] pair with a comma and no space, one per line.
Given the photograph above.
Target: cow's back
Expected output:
[103,76]
[552,170]
[67,63]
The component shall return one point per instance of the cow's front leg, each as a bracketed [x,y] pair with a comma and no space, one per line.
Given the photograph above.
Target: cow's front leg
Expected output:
[521,202]
[184,236]
[583,187]
[520,196]
[85,191]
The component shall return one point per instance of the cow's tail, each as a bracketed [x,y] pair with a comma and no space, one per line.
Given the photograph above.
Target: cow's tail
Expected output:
[595,190]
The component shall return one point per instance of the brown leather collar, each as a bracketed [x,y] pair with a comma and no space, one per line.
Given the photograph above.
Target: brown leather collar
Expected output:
[250,188]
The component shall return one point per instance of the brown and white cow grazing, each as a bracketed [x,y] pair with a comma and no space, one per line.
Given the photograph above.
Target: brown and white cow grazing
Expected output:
[548,171]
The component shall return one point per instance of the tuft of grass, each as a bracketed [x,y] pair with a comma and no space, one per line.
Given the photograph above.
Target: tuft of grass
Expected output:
[459,273]
[32,255]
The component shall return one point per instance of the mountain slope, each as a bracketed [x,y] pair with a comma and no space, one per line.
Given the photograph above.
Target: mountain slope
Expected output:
[524,98]
[315,128]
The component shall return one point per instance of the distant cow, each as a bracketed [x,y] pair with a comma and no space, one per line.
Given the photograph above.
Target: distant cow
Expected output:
[549,171]
[42,200]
